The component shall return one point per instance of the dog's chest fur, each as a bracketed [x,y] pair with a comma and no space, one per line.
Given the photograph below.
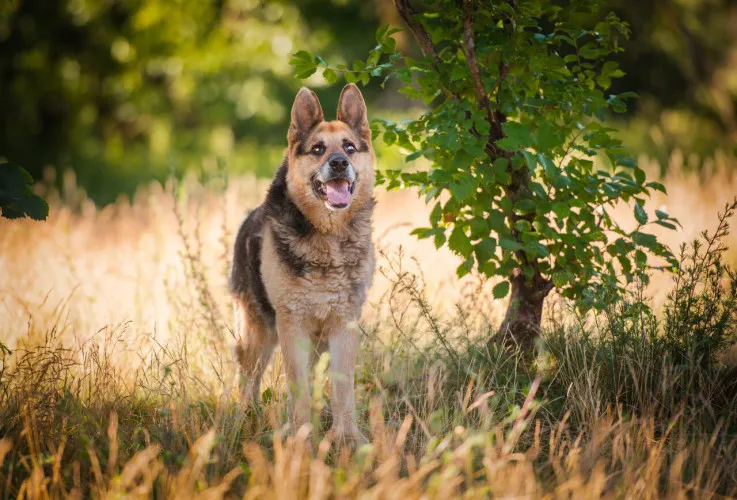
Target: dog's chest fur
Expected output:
[319,277]
[284,265]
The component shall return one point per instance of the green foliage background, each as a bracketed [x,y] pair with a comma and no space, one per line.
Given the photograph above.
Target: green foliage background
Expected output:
[511,92]
[121,90]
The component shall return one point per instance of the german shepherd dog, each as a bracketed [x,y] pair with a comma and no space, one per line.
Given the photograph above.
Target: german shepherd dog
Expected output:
[304,259]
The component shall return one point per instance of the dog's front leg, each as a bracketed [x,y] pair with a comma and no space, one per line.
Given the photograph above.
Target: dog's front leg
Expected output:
[295,349]
[343,349]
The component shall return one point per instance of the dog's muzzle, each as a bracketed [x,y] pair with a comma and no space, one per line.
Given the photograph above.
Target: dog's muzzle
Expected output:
[335,181]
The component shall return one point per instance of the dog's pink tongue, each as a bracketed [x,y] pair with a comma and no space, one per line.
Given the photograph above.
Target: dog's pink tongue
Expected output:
[338,193]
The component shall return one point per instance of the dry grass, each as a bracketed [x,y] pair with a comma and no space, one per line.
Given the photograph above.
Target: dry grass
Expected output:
[120,381]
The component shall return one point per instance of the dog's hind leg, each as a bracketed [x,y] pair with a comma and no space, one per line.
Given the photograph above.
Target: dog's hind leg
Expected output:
[255,344]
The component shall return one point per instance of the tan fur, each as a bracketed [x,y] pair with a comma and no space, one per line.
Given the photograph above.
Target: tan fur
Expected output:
[316,305]
[255,344]
[332,133]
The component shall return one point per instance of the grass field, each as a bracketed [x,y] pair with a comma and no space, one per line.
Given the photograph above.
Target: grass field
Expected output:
[116,377]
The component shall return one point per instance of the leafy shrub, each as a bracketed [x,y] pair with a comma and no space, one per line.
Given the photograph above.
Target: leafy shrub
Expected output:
[659,365]
[701,312]
[515,94]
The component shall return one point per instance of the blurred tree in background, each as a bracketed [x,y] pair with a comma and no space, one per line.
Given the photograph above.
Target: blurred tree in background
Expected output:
[112,88]
[681,59]
[117,89]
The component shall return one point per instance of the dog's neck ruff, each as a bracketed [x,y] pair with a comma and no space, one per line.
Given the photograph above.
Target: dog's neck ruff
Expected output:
[290,226]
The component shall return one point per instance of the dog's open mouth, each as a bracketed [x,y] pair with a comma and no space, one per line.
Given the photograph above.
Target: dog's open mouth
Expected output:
[336,193]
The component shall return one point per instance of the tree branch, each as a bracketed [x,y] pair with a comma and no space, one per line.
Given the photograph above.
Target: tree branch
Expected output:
[407,13]
[473,64]
[469,48]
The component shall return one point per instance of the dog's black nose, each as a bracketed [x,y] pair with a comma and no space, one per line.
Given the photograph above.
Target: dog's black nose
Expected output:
[338,162]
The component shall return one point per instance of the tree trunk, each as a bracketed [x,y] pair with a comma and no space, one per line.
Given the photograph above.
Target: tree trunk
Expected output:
[522,321]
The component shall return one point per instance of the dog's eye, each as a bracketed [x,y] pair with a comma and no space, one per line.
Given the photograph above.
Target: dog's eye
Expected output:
[317,149]
[350,148]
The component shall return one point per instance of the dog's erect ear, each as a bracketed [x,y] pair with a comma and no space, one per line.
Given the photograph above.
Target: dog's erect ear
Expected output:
[306,113]
[352,110]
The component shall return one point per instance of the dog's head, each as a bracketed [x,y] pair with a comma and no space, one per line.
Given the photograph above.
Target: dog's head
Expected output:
[330,163]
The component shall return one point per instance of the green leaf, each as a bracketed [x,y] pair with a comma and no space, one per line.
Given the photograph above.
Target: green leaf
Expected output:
[479,229]
[530,159]
[496,220]
[501,290]
[656,186]
[459,242]
[16,194]
[439,239]
[640,214]
[617,105]
[14,179]
[509,244]
[465,268]
[304,64]
[10,213]
[640,258]
[517,134]
[666,224]
[462,190]
[562,210]
[537,249]
[413,156]
[35,207]
[459,72]
[557,179]
[304,73]
[608,71]
[381,32]
[546,136]
[330,76]
[485,250]
[644,239]
[560,278]
[639,175]
[423,232]
[523,226]
[390,137]
[500,168]
[626,161]
[300,57]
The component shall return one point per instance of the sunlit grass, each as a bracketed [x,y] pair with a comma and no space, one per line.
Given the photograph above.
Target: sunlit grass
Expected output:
[119,381]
